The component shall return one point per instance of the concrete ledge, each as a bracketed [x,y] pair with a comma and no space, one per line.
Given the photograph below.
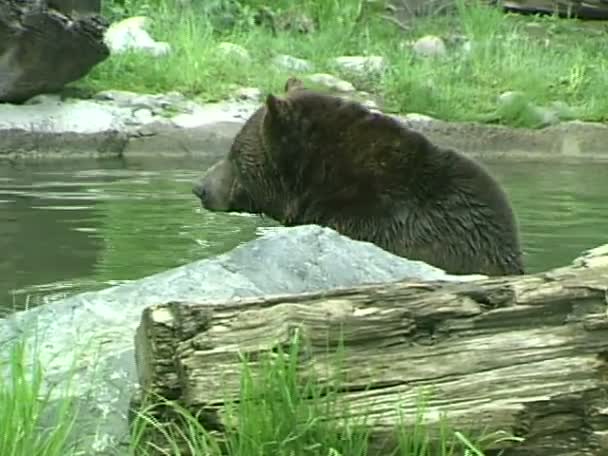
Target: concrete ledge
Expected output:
[128,124]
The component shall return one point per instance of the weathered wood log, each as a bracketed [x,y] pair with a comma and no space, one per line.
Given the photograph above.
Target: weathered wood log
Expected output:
[526,355]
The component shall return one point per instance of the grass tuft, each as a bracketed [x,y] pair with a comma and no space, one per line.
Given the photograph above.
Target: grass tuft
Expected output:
[279,413]
[25,407]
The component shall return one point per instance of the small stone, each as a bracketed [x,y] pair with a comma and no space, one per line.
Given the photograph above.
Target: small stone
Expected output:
[415,117]
[429,46]
[248,94]
[361,65]
[288,62]
[121,97]
[510,98]
[142,116]
[370,104]
[331,82]
[235,51]
[516,102]
[45,98]
[562,110]
[544,116]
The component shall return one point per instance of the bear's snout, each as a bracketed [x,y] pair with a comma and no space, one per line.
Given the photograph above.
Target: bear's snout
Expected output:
[215,188]
[200,192]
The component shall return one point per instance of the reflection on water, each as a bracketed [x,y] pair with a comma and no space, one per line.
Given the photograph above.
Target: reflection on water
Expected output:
[66,228]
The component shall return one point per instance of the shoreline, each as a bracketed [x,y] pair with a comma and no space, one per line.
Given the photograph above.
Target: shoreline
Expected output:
[126,124]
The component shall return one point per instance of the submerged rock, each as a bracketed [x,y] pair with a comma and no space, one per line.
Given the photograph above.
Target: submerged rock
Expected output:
[43,49]
[92,333]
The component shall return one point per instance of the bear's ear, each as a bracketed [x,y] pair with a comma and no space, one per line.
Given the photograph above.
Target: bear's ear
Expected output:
[293,83]
[278,107]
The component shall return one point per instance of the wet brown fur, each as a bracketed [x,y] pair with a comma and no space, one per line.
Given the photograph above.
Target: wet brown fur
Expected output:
[310,158]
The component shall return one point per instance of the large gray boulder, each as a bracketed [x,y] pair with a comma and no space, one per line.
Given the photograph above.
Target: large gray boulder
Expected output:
[93,332]
[42,49]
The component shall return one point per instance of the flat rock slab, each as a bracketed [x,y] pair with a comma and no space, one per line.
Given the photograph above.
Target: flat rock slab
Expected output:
[117,123]
[95,330]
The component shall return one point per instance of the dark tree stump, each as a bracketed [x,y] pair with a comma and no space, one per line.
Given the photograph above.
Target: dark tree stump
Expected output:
[43,49]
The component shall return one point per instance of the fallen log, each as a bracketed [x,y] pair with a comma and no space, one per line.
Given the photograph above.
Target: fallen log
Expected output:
[526,355]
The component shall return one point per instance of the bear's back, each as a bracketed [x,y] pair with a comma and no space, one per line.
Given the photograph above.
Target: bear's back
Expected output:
[375,179]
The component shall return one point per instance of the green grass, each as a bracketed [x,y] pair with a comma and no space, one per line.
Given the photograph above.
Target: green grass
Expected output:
[545,58]
[278,414]
[25,406]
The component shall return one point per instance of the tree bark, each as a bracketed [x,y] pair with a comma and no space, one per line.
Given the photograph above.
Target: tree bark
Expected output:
[526,354]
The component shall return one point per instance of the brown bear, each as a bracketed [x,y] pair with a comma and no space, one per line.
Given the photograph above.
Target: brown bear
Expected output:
[313,158]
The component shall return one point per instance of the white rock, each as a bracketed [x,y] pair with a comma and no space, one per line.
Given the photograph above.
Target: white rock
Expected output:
[289,62]
[234,51]
[130,35]
[429,46]
[331,82]
[361,65]
[370,104]
[510,97]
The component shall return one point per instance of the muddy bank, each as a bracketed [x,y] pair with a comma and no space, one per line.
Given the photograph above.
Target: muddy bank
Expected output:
[114,124]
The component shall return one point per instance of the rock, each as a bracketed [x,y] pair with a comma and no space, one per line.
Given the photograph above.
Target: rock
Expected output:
[510,98]
[370,104]
[41,49]
[248,93]
[563,110]
[77,116]
[513,103]
[158,103]
[234,51]
[96,329]
[130,35]
[418,118]
[117,122]
[361,65]
[331,82]
[287,62]
[544,116]
[429,46]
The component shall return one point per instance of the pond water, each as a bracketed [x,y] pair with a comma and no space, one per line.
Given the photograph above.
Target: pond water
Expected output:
[72,227]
